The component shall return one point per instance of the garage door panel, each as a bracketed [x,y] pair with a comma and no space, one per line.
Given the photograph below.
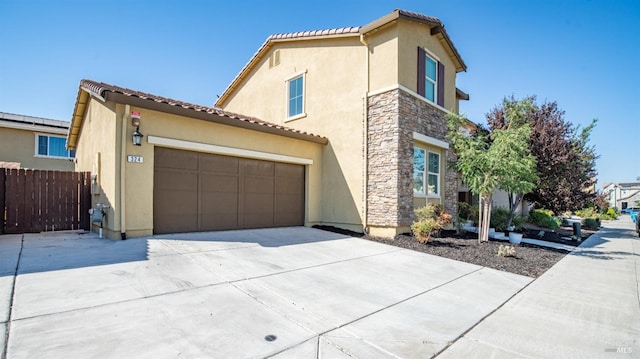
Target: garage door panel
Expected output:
[224,192]
[170,158]
[172,180]
[257,168]
[218,183]
[258,185]
[289,170]
[289,186]
[219,164]
[175,211]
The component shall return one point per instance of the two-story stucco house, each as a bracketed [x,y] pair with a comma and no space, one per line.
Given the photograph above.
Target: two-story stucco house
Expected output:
[379,93]
[341,127]
[34,143]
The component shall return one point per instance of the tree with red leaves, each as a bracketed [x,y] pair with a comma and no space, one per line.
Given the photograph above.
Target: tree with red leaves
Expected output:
[565,160]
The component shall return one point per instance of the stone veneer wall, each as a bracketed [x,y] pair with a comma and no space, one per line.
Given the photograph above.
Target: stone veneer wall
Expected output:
[383,174]
[392,118]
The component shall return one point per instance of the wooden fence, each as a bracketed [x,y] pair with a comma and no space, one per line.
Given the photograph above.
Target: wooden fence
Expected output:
[34,201]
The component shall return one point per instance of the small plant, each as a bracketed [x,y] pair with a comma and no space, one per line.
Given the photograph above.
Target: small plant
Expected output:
[506,251]
[544,218]
[431,219]
[464,211]
[591,223]
[499,218]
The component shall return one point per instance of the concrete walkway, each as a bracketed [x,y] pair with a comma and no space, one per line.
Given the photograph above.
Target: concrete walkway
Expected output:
[281,293]
[586,306]
[305,293]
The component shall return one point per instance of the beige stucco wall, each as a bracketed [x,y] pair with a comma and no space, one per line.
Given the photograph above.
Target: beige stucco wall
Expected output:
[101,132]
[96,152]
[18,145]
[414,34]
[394,54]
[335,87]
[383,60]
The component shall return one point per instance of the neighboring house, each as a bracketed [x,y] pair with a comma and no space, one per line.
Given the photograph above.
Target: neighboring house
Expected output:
[34,143]
[622,195]
[379,93]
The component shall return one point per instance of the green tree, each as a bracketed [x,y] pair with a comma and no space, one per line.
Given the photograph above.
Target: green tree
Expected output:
[565,160]
[496,160]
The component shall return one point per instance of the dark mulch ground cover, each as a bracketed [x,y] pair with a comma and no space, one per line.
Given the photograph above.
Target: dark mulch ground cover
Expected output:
[529,260]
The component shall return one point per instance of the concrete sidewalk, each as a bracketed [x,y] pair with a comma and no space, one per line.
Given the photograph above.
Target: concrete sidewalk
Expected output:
[586,306]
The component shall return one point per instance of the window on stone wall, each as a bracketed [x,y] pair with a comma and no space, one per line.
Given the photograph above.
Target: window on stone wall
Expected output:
[426,172]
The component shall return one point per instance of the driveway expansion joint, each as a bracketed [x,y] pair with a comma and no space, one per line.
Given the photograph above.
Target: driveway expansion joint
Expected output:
[12,296]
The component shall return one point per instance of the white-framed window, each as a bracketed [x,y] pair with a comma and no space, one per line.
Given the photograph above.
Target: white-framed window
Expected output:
[426,172]
[295,96]
[430,78]
[53,146]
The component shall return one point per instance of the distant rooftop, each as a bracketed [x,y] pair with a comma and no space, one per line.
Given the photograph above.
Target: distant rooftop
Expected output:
[36,121]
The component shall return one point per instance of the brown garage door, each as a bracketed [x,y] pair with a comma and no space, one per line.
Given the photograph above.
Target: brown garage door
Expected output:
[205,192]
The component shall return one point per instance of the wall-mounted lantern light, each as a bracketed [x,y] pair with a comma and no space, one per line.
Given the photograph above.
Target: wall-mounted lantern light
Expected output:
[137,137]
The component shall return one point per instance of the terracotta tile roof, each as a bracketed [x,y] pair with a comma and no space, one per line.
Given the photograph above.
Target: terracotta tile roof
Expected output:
[100,88]
[315,33]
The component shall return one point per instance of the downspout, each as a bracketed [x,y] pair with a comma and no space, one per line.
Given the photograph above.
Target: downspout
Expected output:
[123,162]
[365,128]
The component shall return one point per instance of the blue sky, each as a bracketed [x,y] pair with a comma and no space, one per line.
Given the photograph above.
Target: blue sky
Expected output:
[585,55]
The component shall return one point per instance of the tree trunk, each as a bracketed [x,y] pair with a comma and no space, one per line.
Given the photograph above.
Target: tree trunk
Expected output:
[514,202]
[485,218]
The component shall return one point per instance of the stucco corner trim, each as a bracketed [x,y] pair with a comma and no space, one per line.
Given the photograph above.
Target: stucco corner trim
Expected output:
[228,151]
[430,140]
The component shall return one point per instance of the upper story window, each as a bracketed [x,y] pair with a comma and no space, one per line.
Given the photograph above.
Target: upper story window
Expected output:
[430,77]
[53,146]
[296,96]
[426,172]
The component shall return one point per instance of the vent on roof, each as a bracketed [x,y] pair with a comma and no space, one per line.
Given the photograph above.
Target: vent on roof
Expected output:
[274,59]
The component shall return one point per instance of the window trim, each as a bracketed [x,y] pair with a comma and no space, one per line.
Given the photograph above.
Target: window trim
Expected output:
[36,145]
[295,76]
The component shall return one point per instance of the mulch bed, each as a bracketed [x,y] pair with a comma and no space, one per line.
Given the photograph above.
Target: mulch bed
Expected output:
[529,260]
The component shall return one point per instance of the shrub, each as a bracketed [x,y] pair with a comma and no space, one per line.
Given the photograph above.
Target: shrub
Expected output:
[431,219]
[517,222]
[588,212]
[464,211]
[544,218]
[506,251]
[591,222]
[499,218]
[611,214]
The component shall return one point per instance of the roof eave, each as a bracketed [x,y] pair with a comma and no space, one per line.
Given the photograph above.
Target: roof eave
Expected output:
[211,117]
[82,100]
[437,29]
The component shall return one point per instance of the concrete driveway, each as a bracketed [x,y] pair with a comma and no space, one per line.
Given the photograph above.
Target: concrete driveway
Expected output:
[282,293]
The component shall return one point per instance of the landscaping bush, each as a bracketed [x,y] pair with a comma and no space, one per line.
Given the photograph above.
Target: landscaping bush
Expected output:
[499,218]
[591,223]
[464,211]
[430,220]
[611,214]
[589,212]
[544,218]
